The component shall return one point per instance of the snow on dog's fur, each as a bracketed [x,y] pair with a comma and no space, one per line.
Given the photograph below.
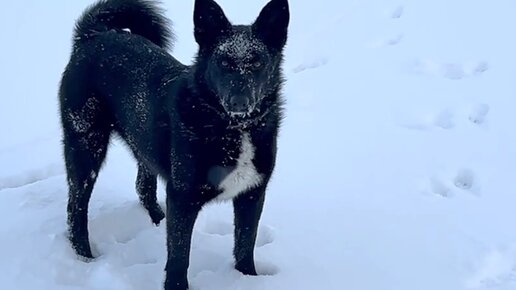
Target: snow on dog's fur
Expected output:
[208,129]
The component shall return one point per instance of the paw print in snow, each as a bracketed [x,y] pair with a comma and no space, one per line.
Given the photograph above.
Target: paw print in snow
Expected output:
[465,179]
[479,113]
[397,12]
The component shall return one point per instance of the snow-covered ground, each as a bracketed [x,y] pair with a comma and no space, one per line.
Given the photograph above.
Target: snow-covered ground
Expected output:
[395,171]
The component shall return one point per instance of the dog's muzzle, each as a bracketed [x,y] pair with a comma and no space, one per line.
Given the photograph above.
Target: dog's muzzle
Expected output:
[239,105]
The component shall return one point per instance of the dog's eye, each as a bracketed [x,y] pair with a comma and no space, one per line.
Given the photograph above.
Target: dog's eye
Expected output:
[257,64]
[224,63]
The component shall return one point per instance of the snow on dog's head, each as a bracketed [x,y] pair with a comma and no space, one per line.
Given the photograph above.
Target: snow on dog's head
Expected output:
[242,61]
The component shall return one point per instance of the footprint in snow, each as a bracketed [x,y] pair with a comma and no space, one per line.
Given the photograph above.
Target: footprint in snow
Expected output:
[465,179]
[215,232]
[444,119]
[387,41]
[220,228]
[316,63]
[119,225]
[393,39]
[439,188]
[479,113]
[451,71]
[397,12]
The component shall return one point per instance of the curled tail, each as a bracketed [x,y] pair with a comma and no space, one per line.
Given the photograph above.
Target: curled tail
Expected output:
[142,17]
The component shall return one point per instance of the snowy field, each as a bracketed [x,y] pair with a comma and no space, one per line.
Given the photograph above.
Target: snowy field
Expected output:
[396,164]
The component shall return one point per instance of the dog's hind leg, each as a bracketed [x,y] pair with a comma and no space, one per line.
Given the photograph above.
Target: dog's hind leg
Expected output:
[86,133]
[146,185]
[84,156]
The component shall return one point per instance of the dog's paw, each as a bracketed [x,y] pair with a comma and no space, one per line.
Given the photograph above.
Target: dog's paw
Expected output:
[247,269]
[84,253]
[156,214]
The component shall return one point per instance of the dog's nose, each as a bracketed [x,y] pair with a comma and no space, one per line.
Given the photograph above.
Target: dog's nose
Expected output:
[239,104]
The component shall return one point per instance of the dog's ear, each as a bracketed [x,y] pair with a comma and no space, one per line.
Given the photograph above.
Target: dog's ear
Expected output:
[209,22]
[271,26]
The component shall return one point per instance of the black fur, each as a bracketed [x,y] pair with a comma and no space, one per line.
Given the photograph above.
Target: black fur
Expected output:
[182,123]
[142,17]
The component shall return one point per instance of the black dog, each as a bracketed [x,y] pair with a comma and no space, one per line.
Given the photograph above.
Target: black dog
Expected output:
[209,130]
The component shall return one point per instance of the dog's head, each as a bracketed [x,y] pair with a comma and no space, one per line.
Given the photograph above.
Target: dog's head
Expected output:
[241,61]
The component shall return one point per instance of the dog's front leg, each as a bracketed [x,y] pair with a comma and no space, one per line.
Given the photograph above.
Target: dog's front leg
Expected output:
[248,209]
[182,212]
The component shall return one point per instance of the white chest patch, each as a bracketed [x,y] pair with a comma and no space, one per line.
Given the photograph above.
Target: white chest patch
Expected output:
[244,176]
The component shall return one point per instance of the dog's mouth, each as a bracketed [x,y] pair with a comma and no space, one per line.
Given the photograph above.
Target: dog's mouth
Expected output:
[242,114]
[252,114]
[243,119]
